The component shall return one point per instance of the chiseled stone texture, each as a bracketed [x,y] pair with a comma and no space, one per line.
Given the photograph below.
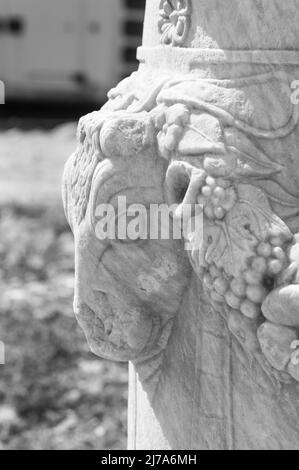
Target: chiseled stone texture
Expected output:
[210,332]
[234,24]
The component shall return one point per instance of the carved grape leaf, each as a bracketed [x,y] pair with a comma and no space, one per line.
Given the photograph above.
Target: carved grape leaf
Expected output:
[226,151]
[229,246]
[282,202]
[251,161]
[268,222]
[203,134]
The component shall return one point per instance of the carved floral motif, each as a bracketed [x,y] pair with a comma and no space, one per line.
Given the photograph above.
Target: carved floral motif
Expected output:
[175,21]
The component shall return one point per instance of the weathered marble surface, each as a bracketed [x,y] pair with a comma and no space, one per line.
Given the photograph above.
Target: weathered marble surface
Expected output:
[208,118]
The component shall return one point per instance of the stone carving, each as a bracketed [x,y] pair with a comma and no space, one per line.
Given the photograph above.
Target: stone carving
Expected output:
[244,249]
[211,331]
[175,21]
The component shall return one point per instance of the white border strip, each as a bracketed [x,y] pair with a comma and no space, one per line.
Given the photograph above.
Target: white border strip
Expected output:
[2,93]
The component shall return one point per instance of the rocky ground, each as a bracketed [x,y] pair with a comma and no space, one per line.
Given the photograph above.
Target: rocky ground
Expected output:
[54,394]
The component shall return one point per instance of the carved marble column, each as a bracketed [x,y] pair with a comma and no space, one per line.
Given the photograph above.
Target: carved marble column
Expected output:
[211,117]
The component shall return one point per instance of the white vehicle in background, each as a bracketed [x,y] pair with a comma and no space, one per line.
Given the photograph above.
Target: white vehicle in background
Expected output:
[55,49]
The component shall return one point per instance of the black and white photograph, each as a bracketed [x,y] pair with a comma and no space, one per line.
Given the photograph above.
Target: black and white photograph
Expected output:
[149,223]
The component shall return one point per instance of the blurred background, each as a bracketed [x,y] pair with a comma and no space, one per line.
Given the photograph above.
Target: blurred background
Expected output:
[58,59]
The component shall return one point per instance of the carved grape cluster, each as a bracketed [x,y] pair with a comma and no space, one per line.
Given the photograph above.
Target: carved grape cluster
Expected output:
[217,198]
[247,292]
[244,296]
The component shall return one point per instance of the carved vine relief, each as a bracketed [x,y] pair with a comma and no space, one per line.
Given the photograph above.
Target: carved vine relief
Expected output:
[194,141]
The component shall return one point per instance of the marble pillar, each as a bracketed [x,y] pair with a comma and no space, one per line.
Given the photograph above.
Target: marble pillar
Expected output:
[208,321]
